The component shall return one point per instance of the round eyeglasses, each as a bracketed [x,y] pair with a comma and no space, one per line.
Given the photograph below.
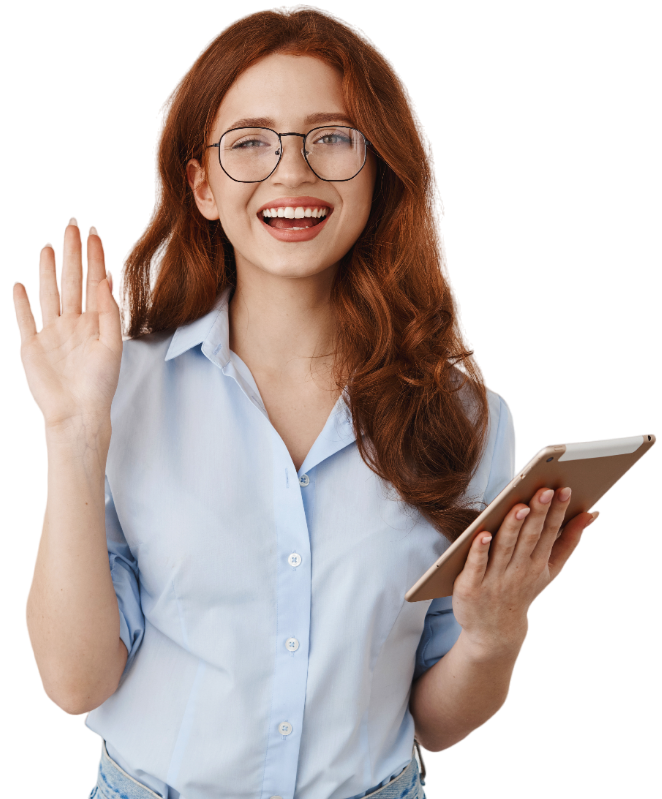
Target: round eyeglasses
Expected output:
[333,153]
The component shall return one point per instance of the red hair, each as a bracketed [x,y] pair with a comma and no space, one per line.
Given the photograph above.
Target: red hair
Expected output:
[420,421]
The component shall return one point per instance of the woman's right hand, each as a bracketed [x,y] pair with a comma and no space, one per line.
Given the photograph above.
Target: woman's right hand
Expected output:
[72,365]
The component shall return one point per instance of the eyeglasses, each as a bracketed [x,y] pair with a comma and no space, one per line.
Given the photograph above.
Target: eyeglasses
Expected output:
[250,155]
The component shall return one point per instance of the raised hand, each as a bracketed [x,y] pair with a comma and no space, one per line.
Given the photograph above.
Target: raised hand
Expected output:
[492,594]
[72,365]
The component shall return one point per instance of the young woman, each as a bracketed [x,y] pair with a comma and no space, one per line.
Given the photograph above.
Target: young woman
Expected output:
[298,432]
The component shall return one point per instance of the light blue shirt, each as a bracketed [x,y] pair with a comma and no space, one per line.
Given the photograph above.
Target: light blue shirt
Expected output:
[271,649]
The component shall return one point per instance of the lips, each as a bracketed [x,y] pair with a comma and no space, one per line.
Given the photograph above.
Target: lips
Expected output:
[289,235]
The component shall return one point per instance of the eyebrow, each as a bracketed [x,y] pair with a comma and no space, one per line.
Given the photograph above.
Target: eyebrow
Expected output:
[267,122]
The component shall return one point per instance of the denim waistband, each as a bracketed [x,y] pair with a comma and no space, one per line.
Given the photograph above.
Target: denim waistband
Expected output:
[405,786]
[114,783]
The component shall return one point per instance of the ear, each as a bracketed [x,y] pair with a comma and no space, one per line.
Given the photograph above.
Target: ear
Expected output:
[204,199]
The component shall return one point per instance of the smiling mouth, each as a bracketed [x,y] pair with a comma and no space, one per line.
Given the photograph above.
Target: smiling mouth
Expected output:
[294,218]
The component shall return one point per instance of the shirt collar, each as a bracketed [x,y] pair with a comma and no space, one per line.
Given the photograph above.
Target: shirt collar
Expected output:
[213,331]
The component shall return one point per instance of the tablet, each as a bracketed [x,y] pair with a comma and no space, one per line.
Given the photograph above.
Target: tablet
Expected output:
[590,468]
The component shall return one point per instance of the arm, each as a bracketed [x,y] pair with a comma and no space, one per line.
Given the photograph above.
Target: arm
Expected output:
[72,611]
[460,692]
[491,597]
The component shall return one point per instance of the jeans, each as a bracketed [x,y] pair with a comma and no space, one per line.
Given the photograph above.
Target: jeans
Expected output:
[114,783]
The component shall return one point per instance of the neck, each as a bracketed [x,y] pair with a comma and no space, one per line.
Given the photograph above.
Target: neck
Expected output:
[281,325]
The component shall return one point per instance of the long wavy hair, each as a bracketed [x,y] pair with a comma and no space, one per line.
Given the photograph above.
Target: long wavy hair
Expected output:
[417,397]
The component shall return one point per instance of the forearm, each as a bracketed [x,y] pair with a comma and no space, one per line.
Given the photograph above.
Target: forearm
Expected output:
[460,692]
[72,613]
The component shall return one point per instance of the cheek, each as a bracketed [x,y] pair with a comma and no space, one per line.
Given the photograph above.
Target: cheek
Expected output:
[358,206]
[231,201]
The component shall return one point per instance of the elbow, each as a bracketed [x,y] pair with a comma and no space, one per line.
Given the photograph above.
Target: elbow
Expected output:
[429,739]
[69,702]
[438,744]
[76,704]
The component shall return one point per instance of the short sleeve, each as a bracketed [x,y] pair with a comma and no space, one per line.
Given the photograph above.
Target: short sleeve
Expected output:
[124,573]
[441,630]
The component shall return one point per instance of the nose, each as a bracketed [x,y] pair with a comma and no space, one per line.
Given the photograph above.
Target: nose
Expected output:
[292,169]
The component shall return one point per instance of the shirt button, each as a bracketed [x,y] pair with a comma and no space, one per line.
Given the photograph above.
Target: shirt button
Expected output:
[292,644]
[304,480]
[294,559]
[284,728]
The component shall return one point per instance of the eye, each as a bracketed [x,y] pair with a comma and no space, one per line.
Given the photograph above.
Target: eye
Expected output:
[333,138]
[246,143]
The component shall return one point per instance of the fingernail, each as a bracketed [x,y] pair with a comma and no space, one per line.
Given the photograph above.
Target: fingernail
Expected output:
[48,245]
[546,496]
[564,494]
[72,221]
[595,515]
[522,513]
[110,279]
[93,231]
[487,539]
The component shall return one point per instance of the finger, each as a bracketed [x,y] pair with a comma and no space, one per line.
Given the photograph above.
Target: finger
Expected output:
[49,295]
[568,540]
[110,325]
[552,525]
[72,270]
[533,526]
[476,562]
[506,539]
[96,269]
[24,317]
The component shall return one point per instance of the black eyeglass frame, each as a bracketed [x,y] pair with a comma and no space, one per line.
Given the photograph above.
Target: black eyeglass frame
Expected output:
[304,136]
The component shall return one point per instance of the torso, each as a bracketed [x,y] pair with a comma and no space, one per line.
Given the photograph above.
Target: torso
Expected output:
[297,411]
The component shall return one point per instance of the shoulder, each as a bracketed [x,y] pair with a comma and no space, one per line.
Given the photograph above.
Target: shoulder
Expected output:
[149,345]
[496,466]
[142,362]
[499,415]
[501,418]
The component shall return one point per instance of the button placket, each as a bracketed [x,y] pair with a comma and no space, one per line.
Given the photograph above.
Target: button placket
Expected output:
[292,644]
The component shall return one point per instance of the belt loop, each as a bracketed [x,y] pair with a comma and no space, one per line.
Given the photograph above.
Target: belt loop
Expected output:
[420,760]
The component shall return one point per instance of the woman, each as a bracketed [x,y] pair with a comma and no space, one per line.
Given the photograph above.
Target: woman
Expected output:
[298,432]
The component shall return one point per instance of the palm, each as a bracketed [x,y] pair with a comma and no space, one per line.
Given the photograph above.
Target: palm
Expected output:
[72,365]
[68,367]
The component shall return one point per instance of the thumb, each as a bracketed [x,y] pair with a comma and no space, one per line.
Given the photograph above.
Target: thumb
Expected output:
[568,540]
[110,326]
[104,290]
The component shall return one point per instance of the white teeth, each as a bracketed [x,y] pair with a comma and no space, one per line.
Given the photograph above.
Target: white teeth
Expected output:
[294,213]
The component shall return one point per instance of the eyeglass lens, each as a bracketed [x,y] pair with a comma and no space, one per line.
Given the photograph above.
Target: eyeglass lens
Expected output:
[251,154]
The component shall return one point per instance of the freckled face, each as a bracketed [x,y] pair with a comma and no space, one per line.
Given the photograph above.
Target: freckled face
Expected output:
[287,90]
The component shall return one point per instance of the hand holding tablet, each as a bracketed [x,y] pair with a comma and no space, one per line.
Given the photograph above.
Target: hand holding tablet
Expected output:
[491,597]
[548,532]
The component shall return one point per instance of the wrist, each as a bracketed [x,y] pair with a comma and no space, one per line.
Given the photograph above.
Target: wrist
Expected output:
[501,647]
[80,432]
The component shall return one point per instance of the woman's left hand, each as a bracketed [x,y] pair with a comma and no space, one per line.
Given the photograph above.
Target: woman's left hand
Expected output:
[500,579]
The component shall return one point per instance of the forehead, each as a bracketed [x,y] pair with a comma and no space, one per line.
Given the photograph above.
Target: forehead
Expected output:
[287,90]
